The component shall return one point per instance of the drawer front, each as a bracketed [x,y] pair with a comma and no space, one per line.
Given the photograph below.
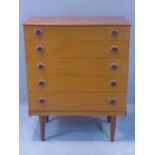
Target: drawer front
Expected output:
[68,83]
[76,32]
[76,67]
[63,101]
[77,49]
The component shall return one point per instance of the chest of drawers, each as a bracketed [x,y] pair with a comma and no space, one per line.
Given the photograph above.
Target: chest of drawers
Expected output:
[77,66]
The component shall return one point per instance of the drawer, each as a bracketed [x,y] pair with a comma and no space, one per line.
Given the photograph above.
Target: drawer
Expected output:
[76,67]
[77,49]
[68,83]
[76,32]
[88,101]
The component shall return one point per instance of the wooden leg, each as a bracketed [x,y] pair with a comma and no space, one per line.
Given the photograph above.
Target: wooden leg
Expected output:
[42,120]
[112,127]
[47,119]
[108,119]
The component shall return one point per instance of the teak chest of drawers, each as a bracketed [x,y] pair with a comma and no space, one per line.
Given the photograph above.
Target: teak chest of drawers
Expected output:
[77,66]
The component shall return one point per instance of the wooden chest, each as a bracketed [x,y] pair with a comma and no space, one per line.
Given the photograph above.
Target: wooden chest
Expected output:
[77,66]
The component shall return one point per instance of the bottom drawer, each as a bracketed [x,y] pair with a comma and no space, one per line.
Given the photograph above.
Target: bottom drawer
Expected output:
[77,101]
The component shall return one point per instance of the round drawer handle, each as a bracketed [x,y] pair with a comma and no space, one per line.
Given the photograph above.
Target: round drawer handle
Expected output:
[113,83]
[112,101]
[114,49]
[38,33]
[41,83]
[113,67]
[41,66]
[39,48]
[42,100]
[114,33]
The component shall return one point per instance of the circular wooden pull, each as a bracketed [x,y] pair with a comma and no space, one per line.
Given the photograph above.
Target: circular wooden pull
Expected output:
[113,67]
[114,33]
[41,83]
[113,83]
[39,48]
[114,49]
[42,100]
[112,101]
[38,33]
[41,66]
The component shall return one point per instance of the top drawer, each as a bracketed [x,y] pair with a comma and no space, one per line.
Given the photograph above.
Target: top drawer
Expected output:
[76,32]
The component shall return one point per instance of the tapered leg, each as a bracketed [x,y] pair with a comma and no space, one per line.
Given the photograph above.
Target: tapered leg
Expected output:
[42,120]
[47,119]
[108,119]
[112,127]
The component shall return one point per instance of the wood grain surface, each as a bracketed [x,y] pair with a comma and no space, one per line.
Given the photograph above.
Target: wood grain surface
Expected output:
[76,67]
[75,33]
[77,20]
[69,83]
[77,101]
[77,49]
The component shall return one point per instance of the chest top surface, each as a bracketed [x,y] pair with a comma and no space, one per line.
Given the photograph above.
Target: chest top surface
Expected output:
[77,20]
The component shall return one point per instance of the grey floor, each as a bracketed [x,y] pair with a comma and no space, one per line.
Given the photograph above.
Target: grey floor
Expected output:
[76,135]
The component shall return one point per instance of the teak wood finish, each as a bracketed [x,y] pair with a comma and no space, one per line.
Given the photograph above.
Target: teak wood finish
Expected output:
[83,101]
[77,66]
[77,49]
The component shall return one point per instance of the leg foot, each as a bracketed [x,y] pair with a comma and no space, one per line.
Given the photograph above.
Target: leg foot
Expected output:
[112,127]
[108,119]
[42,120]
[47,119]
